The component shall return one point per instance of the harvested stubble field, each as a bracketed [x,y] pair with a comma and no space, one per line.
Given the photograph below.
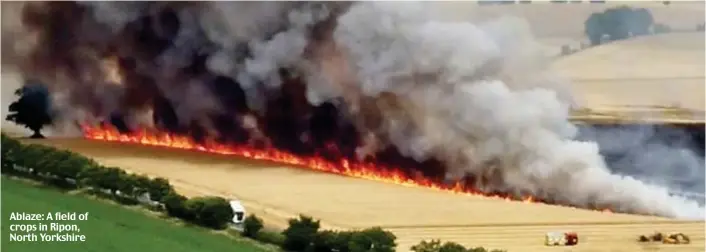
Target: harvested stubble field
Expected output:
[277,193]
[556,25]
[657,78]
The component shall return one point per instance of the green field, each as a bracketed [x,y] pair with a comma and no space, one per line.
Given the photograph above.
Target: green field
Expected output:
[109,227]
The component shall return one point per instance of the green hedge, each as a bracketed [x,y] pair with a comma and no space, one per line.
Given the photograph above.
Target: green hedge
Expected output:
[304,235]
[437,246]
[70,170]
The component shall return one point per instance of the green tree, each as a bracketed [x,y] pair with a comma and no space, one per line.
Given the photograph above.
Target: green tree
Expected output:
[482,249]
[175,205]
[452,247]
[642,20]
[594,28]
[252,226]
[158,188]
[618,23]
[142,183]
[427,246]
[129,185]
[32,157]
[109,178]
[300,233]
[32,110]
[372,240]
[328,240]
[212,212]
[59,165]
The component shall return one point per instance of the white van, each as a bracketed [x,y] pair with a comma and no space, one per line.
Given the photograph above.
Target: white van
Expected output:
[238,211]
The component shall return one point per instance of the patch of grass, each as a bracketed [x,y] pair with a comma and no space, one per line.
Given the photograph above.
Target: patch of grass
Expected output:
[270,237]
[110,227]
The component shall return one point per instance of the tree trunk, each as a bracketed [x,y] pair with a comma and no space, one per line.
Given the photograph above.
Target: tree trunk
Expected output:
[37,134]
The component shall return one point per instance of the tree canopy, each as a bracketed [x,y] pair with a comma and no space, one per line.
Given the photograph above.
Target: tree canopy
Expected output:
[33,109]
[618,23]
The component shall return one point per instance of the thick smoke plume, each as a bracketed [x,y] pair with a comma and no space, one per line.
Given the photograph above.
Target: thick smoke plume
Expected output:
[454,101]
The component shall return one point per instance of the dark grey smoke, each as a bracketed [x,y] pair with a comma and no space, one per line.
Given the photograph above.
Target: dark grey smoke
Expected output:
[671,156]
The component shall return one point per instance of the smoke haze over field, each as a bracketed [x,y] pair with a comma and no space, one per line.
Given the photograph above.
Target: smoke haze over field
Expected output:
[379,80]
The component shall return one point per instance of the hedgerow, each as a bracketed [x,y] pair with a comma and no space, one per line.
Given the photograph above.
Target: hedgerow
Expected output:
[437,246]
[67,169]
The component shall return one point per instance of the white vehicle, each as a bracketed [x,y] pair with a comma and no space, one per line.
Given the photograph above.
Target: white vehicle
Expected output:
[238,211]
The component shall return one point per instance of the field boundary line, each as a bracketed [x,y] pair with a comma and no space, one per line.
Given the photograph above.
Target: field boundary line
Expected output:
[639,79]
[647,222]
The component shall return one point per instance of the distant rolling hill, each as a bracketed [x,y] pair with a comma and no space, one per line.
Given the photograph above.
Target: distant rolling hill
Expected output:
[656,78]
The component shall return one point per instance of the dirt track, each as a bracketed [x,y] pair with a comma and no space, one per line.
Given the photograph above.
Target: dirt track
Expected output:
[277,193]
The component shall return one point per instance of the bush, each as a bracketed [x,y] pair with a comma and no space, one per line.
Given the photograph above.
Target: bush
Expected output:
[175,205]
[10,149]
[85,177]
[372,240]
[158,188]
[109,178]
[212,212]
[251,226]
[270,237]
[67,167]
[328,240]
[452,247]
[31,157]
[482,249]
[300,234]
[436,246]
[131,185]
[141,184]
[425,246]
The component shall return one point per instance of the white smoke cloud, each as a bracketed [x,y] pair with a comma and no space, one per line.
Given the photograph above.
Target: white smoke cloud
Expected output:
[470,95]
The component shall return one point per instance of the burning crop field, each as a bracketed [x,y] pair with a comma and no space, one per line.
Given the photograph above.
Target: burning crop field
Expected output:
[365,170]
[374,90]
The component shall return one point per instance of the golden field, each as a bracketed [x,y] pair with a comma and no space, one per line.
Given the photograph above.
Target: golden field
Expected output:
[277,193]
[556,25]
[657,78]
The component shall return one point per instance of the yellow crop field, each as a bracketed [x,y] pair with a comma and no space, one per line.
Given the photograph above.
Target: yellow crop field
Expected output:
[277,193]
[656,78]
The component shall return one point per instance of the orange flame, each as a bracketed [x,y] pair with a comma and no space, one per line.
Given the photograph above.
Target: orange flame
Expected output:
[343,167]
